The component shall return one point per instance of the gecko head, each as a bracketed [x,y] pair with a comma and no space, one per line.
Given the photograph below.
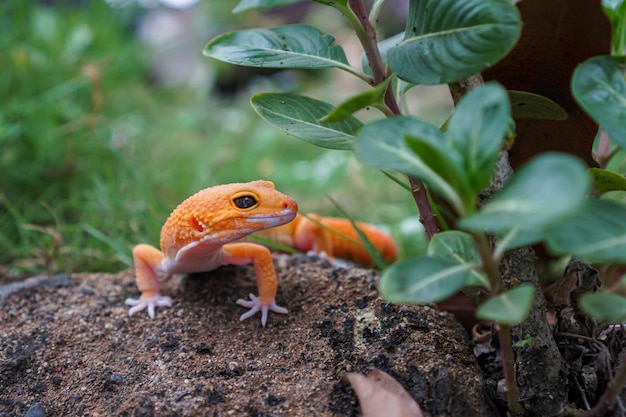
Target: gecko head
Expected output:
[228,212]
[257,205]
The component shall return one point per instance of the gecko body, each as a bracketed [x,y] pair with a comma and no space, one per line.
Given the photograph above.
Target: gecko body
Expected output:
[204,232]
[333,236]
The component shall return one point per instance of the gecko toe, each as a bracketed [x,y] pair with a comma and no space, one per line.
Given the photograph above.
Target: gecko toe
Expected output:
[138,304]
[255,305]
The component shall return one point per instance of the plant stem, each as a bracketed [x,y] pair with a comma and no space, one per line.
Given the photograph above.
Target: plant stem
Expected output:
[490,267]
[418,191]
[508,361]
[358,18]
[367,36]
[606,402]
[427,216]
[459,88]
[390,101]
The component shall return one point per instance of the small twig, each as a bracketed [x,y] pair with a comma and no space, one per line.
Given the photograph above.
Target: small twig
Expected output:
[580,336]
[582,394]
[608,399]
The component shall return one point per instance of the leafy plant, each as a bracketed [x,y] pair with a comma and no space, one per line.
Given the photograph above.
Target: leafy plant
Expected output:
[545,201]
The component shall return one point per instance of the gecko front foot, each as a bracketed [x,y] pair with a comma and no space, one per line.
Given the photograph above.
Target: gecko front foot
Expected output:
[255,306]
[139,304]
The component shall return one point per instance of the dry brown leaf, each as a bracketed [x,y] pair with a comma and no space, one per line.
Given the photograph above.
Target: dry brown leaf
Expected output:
[578,279]
[381,395]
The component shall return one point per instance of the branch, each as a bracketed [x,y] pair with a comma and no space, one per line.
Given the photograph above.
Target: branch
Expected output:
[359,20]
[367,36]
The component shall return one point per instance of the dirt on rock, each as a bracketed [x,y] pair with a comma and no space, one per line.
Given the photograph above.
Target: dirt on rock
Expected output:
[68,347]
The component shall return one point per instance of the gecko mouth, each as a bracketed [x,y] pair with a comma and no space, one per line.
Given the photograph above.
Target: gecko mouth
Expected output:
[275,220]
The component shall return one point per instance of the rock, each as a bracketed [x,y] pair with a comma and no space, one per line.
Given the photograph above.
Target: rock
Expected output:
[77,343]
[35,411]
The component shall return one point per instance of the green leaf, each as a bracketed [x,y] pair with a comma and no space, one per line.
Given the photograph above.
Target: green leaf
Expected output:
[338,4]
[299,116]
[448,40]
[616,12]
[526,341]
[441,160]
[599,87]
[260,4]
[509,308]
[605,307]
[525,105]
[422,280]
[596,232]
[292,46]
[366,243]
[457,164]
[605,181]
[373,96]
[547,188]
[458,247]
[477,130]
[612,7]
[382,144]
[519,236]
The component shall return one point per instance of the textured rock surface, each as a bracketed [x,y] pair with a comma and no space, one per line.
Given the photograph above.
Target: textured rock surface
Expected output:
[70,348]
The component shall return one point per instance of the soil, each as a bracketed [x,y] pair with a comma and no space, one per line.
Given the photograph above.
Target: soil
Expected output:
[69,348]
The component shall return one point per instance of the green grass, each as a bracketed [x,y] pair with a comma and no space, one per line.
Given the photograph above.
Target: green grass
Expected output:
[82,180]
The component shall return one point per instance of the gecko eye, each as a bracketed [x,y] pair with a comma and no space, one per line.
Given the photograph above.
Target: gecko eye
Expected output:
[245,202]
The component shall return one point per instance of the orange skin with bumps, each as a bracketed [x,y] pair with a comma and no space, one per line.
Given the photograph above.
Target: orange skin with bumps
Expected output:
[204,233]
[200,235]
[333,236]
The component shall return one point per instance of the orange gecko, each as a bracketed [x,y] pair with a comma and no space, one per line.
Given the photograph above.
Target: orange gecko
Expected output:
[203,233]
[333,237]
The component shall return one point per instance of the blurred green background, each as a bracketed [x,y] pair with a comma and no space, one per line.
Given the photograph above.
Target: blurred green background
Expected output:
[111,116]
